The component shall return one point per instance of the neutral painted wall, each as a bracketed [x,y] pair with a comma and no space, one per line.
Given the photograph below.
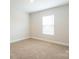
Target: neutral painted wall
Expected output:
[19,23]
[61,24]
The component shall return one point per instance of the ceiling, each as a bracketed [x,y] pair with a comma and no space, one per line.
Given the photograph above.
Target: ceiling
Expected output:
[37,5]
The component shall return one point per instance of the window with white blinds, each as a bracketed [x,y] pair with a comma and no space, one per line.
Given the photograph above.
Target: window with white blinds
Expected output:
[48,25]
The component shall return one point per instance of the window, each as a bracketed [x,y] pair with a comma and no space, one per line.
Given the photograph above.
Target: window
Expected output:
[48,25]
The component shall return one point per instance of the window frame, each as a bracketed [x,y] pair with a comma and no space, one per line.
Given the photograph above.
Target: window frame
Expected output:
[51,17]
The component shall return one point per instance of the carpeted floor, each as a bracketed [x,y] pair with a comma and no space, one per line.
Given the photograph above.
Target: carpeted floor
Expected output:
[36,49]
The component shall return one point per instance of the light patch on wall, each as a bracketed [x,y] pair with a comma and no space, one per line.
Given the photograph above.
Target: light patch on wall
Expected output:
[31,1]
[48,25]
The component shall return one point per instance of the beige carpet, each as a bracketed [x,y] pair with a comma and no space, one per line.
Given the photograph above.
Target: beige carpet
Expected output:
[36,49]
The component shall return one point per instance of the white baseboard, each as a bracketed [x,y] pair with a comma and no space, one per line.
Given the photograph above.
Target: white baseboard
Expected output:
[52,41]
[13,41]
[43,39]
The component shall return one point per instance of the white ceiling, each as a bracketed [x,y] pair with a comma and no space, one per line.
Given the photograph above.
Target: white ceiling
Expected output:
[37,5]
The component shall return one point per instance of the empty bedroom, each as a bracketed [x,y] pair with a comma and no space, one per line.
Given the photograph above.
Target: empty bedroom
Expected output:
[39,29]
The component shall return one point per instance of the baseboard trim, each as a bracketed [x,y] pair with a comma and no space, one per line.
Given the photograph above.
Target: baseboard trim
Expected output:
[13,41]
[43,39]
[56,42]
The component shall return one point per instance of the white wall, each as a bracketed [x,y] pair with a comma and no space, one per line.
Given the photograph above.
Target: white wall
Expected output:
[61,24]
[19,23]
